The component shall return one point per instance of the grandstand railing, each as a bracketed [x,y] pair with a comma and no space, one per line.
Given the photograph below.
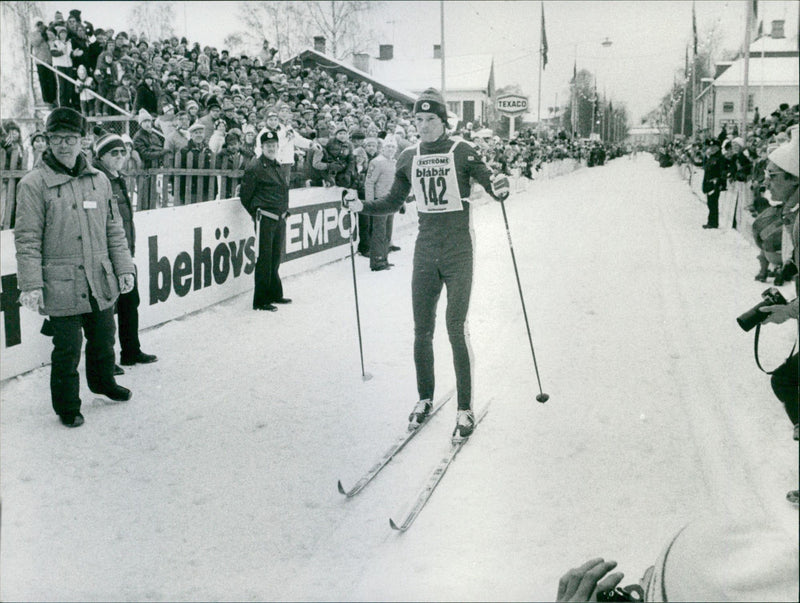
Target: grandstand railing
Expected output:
[75,82]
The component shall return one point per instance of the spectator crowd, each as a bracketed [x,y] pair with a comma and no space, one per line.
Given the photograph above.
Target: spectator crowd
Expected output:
[193,102]
[741,165]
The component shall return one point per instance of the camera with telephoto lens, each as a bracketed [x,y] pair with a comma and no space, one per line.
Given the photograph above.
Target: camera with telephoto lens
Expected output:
[754,316]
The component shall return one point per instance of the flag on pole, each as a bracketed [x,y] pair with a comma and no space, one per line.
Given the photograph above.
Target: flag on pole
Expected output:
[694,28]
[686,63]
[544,41]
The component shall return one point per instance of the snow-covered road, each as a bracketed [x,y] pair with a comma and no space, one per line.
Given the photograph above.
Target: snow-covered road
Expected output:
[218,480]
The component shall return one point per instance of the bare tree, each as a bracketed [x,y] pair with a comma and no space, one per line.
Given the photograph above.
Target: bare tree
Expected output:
[342,23]
[276,22]
[154,19]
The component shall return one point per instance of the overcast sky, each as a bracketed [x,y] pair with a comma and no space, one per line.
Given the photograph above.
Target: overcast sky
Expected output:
[648,38]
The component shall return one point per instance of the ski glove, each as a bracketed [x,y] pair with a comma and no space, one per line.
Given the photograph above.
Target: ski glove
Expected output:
[32,300]
[125,283]
[500,186]
[351,201]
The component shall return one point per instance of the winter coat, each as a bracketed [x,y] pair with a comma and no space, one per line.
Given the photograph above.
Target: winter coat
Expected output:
[119,191]
[263,187]
[714,175]
[40,48]
[146,98]
[69,239]
[380,176]
[60,52]
[341,163]
[150,147]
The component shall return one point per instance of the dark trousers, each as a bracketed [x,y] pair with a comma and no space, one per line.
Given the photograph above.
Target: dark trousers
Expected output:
[66,89]
[432,270]
[713,209]
[785,385]
[128,318]
[364,233]
[47,82]
[379,240]
[98,327]
[270,244]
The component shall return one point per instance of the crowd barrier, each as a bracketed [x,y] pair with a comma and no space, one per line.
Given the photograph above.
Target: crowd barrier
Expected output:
[188,258]
[733,202]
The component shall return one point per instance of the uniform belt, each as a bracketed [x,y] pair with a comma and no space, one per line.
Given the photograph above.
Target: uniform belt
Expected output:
[271,215]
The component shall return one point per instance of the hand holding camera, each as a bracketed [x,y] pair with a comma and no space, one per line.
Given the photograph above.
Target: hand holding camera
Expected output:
[780,313]
[772,302]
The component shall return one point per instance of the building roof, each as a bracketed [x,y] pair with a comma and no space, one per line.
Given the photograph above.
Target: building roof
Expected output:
[770,71]
[768,44]
[462,73]
[309,55]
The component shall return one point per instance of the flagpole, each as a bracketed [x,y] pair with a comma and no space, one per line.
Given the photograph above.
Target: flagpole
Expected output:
[539,101]
[683,100]
[693,120]
[575,102]
[748,25]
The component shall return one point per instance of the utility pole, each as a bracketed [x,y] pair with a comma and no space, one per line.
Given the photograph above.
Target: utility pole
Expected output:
[441,35]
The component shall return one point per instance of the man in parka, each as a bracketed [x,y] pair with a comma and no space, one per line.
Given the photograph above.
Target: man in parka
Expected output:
[72,263]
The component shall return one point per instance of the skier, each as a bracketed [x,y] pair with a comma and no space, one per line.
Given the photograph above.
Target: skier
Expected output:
[438,170]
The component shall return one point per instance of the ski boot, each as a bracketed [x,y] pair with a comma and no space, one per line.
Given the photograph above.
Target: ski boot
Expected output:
[465,424]
[419,414]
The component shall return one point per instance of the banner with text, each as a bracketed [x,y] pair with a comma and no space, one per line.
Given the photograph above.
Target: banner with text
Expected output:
[187,258]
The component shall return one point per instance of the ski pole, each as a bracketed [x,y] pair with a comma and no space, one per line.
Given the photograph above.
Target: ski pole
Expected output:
[542,397]
[364,375]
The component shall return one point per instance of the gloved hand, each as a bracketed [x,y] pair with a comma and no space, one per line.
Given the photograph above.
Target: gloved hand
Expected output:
[33,300]
[125,283]
[351,201]
[500,187]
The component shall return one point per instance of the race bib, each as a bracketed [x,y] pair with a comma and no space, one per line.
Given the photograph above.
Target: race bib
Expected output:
[435,184]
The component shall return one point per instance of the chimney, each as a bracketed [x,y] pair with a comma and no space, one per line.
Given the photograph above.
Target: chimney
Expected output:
[319,44]
[777,29]
[385,52]
[361,61]
[437,51]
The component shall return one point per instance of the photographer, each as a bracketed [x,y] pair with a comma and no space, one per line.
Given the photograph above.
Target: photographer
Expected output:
[784,186]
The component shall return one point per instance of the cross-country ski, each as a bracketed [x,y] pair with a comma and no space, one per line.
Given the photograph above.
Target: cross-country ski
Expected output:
[435,477]
[392,451]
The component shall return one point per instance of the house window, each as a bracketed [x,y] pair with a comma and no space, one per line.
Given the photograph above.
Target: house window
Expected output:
[455,107]
[749,102]
[727,107]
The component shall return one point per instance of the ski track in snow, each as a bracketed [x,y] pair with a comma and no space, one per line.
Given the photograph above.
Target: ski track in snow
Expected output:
[218,479]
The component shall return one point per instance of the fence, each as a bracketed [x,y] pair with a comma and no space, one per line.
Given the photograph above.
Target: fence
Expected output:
[185,178]
[13,169]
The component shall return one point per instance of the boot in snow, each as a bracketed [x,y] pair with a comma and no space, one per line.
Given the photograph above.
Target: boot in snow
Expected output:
[465,424]
[419,414]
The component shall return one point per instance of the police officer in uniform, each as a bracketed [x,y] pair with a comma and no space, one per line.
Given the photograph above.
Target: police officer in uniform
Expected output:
[265,196]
